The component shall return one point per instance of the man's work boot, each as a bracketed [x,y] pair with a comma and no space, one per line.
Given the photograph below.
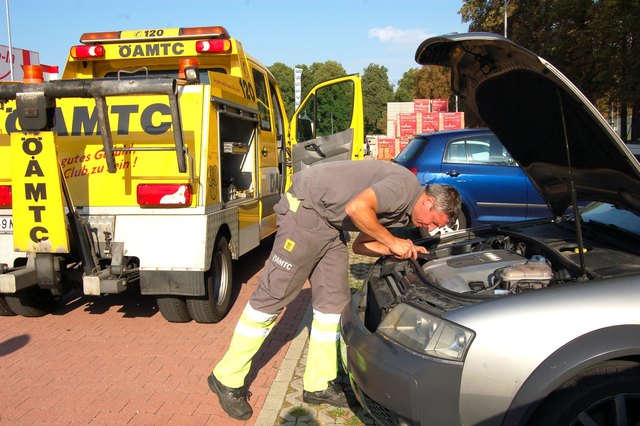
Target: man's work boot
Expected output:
[232,400]
[332,395]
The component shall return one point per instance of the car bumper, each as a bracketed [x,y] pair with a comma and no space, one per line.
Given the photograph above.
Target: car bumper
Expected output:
[397,386]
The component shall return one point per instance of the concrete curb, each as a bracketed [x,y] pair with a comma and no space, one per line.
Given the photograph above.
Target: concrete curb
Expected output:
[275,398]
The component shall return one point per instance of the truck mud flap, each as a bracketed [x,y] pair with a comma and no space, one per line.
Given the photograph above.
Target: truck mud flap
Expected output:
[179,283]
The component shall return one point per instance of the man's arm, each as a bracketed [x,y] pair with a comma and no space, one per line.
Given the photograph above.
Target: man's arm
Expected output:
[375,239]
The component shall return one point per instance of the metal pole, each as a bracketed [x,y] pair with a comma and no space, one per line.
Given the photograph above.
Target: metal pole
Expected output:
[9,34]
[505,18]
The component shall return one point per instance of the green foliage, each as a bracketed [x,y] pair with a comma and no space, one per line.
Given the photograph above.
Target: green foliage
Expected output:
[406,87]
[334,108]
[284,77]
[596,43]
[376,93]
[432,82]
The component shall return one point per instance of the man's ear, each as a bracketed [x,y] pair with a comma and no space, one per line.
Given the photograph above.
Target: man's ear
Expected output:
[429,200]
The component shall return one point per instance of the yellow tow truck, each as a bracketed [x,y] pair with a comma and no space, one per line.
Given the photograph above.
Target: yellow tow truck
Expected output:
[153,162]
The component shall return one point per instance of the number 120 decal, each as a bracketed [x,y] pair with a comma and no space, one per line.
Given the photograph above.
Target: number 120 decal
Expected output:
[247,90]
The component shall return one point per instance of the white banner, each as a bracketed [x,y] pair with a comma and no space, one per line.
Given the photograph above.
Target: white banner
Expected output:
[297,86]
[20,57]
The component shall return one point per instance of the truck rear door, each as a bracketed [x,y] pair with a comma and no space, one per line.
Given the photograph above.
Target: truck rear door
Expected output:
[329,124]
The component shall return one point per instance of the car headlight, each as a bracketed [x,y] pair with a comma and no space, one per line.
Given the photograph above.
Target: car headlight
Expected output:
[426,333]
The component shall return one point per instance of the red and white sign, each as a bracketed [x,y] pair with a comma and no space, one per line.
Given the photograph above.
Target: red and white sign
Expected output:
[19,57]
[431,122]
[453,120]
[421,106]
[439,105]
[406,124]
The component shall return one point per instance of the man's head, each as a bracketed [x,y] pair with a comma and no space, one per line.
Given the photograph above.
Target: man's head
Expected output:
[438,205]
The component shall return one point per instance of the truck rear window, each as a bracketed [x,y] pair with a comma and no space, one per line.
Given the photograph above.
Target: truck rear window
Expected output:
[143,73]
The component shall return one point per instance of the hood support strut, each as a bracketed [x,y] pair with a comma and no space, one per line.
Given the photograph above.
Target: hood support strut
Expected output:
[572,190]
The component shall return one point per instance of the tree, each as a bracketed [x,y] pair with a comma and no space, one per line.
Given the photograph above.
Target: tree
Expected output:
[284,77]
[319,72]
[406,87]
[376,92]
[596,43]
[432,82]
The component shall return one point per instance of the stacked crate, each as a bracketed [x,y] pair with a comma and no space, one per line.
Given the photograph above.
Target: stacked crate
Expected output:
[406,119]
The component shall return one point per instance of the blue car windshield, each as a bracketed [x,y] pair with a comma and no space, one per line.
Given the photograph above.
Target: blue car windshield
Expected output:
[611,216]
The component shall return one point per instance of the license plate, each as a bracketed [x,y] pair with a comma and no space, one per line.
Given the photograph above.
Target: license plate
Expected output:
[6,223]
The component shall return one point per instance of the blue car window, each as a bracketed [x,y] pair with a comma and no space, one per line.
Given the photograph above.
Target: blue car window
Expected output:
[456,152]
[412,151]
[479,149]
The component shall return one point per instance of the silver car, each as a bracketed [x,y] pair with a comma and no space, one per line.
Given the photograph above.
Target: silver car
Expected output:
[534,322]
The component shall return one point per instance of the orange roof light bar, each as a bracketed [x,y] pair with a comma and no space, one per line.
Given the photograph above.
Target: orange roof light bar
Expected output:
[216,31]
[100,37]
[155,34]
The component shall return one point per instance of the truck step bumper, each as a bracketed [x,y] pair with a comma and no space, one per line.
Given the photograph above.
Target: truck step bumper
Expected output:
[102,283]
[18,279]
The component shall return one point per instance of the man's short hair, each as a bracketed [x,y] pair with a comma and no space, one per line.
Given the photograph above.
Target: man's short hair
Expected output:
[447,200]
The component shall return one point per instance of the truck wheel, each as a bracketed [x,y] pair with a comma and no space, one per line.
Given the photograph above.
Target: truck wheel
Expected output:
[32,301]
[218,280]
[5,311]
[173,308]
[605,394]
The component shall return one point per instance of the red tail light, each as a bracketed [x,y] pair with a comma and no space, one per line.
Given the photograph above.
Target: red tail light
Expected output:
[87,52]
[414,170]
[164,195]
[213,46]
[5,197]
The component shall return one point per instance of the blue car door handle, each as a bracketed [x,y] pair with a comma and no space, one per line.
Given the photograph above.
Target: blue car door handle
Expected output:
[452,173]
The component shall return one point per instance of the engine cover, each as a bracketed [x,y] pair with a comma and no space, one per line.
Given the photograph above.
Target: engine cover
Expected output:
[470,272]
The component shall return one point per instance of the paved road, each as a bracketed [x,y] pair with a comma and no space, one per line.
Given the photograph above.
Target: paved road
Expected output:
[115,360]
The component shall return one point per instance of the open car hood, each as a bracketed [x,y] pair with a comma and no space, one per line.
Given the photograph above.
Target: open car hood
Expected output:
[537,112]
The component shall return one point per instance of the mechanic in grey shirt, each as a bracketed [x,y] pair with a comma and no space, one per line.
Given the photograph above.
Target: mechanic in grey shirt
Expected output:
[323,201]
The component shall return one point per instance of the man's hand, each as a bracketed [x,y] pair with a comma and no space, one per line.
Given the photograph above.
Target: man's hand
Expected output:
[398,247]
[374,239]
[405,249]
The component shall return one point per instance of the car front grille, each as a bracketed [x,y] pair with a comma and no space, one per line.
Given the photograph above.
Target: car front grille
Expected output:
[382,415]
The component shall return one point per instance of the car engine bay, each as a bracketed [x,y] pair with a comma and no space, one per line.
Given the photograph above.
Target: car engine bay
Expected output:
[468,267]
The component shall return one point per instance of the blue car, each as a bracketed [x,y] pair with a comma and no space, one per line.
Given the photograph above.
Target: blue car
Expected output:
[492,186]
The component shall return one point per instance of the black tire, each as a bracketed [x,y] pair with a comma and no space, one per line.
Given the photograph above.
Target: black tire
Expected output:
[219,284]
[173,308]
[32,301]
[5,310]
[605,394]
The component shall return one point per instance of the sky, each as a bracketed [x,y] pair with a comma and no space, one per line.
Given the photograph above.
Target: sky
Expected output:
[354,33]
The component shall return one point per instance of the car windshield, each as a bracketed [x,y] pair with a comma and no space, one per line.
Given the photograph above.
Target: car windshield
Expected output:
[611,216]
